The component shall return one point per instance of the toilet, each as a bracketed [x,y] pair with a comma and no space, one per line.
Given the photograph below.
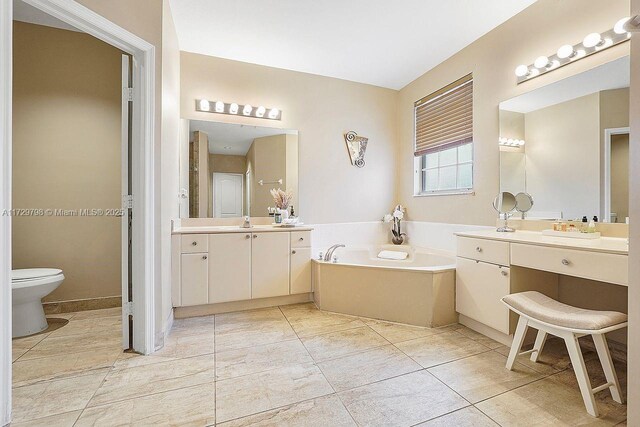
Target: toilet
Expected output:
[29,286]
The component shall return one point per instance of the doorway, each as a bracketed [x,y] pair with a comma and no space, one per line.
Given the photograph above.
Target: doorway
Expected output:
[227,195]
[616,175]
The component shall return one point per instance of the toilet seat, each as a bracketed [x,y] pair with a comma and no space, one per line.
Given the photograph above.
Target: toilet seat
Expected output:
[33,274]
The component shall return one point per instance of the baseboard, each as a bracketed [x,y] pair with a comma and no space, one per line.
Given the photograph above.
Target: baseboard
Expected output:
[227,307]
[59,307]
[485,330]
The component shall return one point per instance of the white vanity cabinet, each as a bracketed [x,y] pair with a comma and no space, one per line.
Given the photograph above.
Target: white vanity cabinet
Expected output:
[238,265]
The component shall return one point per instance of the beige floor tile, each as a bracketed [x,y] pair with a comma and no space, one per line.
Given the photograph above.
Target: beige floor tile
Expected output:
[342,343]
[251,360]
[465,417]
[441,348]
[307,320]
[122,384]
[551,401]
[175,347]
[482,339]
[247,329]
[56,346]
[104,312]
[364,368]
[401,401]
[320,412]
[89,326]
[250,394]
[191,406]
[243,319]
[54,367]
[482,376]
[396,332]
[194,326]
[55,397]
[20,346]
[61,420]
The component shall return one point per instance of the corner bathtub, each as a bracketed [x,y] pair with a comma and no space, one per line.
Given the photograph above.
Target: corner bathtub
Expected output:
[419,290]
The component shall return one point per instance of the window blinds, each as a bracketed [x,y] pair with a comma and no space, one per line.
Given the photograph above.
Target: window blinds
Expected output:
[444,119]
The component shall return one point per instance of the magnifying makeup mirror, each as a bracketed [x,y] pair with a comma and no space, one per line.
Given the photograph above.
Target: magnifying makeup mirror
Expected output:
[524,203]
[504,204]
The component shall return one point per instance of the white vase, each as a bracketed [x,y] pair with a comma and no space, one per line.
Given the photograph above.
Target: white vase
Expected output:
[284,213]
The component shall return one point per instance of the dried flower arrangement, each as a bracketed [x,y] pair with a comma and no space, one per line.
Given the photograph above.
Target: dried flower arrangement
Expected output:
[281,198]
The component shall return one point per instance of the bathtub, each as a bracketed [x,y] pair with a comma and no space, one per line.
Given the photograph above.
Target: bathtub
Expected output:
[419,290]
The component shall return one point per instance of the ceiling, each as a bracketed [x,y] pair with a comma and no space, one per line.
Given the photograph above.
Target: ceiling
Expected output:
[612,75]
[379,42]
[24,12]
[237,138]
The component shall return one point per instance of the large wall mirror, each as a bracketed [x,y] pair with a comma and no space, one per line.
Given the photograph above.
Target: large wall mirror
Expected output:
[232,168]
[567,145]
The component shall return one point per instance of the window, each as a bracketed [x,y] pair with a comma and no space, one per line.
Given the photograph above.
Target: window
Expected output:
[444,140]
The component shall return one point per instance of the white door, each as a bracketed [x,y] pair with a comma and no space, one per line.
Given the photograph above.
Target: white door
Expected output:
[269,265]
[229,267]
[227,195]
[127,284]
[300,270]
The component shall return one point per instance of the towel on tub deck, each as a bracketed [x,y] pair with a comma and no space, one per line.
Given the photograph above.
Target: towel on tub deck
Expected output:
[393,255]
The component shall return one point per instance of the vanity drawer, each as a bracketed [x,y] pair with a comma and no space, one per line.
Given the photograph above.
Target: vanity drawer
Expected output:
[194,243]
[610,268]
[491,251]
[300,239]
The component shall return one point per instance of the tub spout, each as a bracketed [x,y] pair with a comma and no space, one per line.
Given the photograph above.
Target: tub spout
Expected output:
[328,256]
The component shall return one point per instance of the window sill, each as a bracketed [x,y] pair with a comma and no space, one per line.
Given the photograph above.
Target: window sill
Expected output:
[447,193]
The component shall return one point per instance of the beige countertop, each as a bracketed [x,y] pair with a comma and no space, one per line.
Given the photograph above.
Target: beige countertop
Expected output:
[217,229]
[613,245]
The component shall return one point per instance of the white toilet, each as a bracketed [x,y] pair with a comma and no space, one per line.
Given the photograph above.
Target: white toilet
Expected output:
[29,286]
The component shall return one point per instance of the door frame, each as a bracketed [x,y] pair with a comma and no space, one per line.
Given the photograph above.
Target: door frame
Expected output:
[606,191]
[143,250]
[213,190]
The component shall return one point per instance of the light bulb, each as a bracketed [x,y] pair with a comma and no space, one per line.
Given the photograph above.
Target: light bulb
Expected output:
[592,40]
[233,108]
[273,113]
[565,51]
[204,105]
[247,110]
[522,70]
[260,111]
[579,54]
[606,43]
[541,62]
[219,107]
[533,73]
[554,64]
[619,27]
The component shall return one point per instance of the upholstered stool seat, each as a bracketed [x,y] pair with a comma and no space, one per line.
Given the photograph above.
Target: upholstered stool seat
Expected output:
[549,316]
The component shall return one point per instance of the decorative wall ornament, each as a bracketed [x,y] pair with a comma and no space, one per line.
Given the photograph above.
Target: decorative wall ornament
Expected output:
[357,145]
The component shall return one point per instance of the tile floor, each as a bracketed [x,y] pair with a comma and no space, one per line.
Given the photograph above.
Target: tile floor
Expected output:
[293,366]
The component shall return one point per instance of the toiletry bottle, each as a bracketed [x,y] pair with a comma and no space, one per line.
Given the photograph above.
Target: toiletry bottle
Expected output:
[293,213]
[584,225]
[595,218]
[592,226]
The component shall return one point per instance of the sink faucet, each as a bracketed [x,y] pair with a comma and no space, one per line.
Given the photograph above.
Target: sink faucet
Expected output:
[246,223]
[329,254]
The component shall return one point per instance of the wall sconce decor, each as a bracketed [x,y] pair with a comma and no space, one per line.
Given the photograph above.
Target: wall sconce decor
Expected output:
[509,142]
[356,145]
[234,109]
[566,54]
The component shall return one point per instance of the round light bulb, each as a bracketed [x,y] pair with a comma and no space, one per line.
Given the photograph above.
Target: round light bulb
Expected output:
[260,111]
[273,113]
[541,62]
[204,105]
[219,107]
[522,70]
[233,108]
[533,73]
[565,51]
[619,27]
[247,110]
[592,40]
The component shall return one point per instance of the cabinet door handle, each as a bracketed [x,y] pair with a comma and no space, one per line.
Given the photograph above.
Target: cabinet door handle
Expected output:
[247,236]
[478,249]
[194,243]
[204,257]
[255,236]
[566,262]
[293,252]
[301,239]
[504,273]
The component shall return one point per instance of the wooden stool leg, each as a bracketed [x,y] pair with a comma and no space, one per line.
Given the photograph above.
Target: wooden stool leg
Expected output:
[580,370]
[607,366]
[541,339]
[518,339]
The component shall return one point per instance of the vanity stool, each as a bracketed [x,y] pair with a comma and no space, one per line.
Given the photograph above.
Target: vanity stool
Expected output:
[549,316]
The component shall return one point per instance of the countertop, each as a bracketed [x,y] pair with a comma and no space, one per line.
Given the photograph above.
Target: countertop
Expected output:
[217,229]
[612,245]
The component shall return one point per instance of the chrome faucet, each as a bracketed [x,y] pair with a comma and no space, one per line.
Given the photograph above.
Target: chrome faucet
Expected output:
[329,254]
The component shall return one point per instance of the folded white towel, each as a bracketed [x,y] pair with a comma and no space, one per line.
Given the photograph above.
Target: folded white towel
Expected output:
[393,255]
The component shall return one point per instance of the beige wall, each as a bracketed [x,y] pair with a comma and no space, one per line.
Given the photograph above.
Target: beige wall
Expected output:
[539,29]
[66,155]
[269,163]
[322,109]
[620,176]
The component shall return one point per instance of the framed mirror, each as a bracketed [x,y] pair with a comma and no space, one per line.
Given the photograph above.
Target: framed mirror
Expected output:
[567,145]
[232,169]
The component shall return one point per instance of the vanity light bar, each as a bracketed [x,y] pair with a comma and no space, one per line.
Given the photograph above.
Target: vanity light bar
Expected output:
[566,54]
[509,142]
[234,109]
